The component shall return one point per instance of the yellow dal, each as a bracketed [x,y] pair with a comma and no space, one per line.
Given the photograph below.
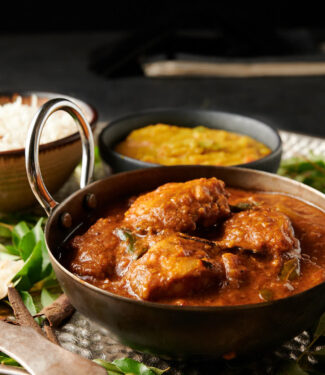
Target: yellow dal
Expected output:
[172,145]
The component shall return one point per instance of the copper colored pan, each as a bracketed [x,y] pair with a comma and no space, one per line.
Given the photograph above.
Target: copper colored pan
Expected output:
[169,331]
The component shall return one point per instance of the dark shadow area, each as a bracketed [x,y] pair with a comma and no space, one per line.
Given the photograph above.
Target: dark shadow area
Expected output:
[242,19]
[97,51]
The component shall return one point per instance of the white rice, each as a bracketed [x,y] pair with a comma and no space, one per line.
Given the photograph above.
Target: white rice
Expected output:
[16,117]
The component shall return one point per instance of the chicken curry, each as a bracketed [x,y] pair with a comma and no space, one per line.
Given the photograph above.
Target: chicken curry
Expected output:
[198,243]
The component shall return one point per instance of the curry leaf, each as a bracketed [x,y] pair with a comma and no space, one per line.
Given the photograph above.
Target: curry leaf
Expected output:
[309,170]
[46,263]
[49,281]
[39,236]
[266,294]
[128,366]
[32,249]
[320,329]
[38,231]
[47,298]
[243,206]
[26,245]
[126,235]
[31,271]
[28,301]
[290,270]
[131,366]
[6,360]
[110,367]
[18,232]
[30,239]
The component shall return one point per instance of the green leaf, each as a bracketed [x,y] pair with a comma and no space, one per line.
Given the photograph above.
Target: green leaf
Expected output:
[243,206]
[97,155]
[38,231]
[266,294]
[128,366]
[47,298]
[5,231]
[31,271]
[291,368]
[131,366]
[39,236]
[29,241]
[11,250]
[310,171]
[26,245]
[28,301]
[32,249]
[18,232]
[6,360]
[46,263]
[110,367]
[290,270]
[127,236]
[49,281]
[320,329]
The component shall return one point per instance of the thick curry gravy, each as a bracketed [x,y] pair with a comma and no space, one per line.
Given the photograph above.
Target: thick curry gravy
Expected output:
[102,255]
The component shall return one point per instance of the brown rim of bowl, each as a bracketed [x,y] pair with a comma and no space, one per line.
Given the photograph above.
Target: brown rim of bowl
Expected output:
[62,141]
[141,163]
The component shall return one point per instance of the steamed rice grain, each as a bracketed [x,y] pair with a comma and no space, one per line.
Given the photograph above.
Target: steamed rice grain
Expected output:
[16,117]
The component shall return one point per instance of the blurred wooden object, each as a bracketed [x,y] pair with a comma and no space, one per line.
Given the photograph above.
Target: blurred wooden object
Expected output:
[244,70]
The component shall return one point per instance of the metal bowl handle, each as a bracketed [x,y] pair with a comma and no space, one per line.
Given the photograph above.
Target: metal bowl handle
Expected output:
[32,149]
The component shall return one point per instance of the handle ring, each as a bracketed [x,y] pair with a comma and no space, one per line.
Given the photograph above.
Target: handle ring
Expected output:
[32,149]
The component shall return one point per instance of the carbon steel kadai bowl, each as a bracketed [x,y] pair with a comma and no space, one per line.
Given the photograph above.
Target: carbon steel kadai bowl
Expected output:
[168,331]
[58,158]
[119,129]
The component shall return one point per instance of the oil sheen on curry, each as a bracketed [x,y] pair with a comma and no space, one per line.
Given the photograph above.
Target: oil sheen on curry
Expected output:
[198,243]
[173,145]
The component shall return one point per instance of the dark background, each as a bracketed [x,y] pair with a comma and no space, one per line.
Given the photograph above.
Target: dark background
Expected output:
[130,15]
[93,51]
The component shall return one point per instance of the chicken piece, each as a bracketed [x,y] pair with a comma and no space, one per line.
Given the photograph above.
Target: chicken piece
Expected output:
[180,206]
[176,266]
[93,253]
[260,230]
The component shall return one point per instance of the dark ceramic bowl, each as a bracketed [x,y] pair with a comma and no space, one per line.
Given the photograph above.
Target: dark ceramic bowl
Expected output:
[117,130]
